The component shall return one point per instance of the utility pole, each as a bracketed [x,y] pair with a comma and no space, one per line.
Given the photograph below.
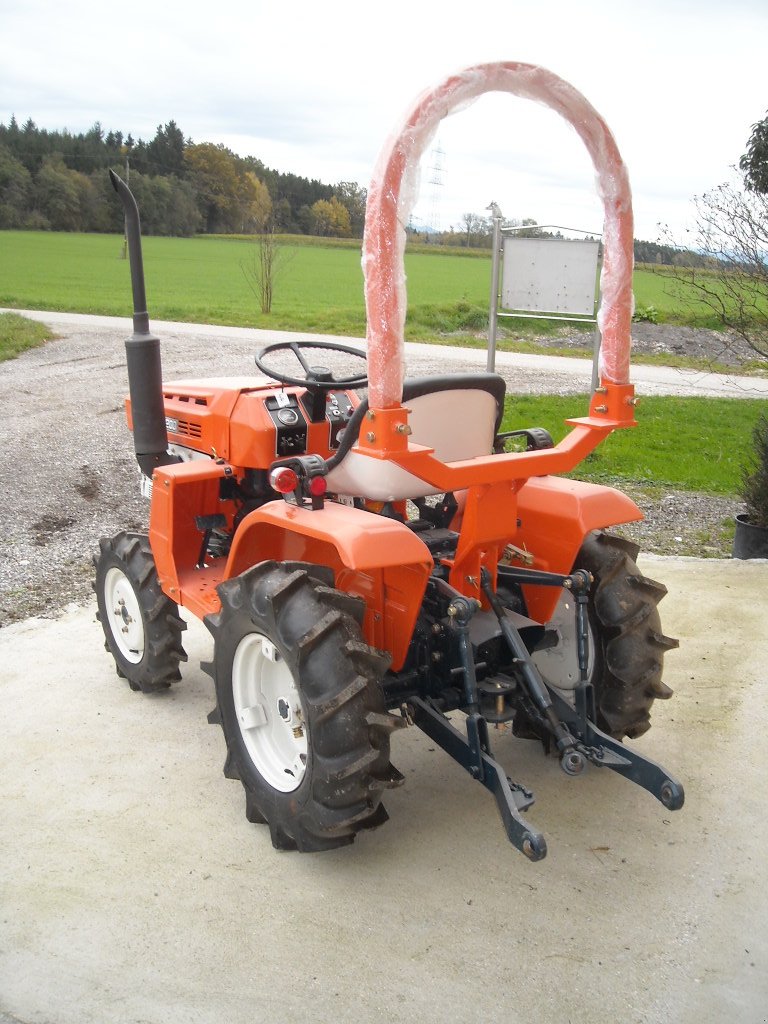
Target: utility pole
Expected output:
[436,181]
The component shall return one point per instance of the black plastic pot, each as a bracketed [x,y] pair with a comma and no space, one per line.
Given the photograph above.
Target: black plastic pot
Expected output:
[749,541]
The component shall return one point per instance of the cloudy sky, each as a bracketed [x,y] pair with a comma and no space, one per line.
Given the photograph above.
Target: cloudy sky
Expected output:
[315,88]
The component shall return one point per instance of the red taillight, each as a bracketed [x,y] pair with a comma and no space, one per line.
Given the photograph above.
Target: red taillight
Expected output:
[283,480]
[317,486]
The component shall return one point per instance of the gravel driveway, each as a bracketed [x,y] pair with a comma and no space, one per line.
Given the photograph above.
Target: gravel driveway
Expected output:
[68,475]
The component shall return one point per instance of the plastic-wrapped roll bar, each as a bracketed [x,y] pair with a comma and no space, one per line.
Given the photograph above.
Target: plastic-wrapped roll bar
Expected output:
[393,192]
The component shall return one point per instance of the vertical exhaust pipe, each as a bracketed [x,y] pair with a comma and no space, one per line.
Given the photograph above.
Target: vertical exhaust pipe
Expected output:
[142,353]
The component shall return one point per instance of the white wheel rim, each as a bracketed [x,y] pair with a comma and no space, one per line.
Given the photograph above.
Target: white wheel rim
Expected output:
[124,615]
[269,713]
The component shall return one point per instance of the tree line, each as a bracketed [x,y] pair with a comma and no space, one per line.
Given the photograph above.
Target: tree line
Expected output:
[476,232]
[57,180]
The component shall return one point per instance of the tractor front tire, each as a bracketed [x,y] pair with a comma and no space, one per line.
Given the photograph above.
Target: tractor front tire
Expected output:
[301,706]
[142,627]
[628,641]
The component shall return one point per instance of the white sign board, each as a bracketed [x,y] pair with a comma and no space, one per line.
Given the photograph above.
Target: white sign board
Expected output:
[550,275]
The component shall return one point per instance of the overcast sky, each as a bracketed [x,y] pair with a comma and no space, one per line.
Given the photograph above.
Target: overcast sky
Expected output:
[315,88]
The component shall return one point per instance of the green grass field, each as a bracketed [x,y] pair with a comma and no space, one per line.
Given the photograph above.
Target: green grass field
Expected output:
[201,280]
[697,444]
[320,288]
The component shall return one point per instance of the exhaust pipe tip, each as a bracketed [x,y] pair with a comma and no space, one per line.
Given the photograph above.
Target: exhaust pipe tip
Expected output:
[133,238]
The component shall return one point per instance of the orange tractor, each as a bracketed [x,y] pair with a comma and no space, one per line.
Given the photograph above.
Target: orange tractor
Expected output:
[369,563]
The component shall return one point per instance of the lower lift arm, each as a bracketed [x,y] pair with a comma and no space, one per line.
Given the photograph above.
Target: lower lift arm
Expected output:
[578,739]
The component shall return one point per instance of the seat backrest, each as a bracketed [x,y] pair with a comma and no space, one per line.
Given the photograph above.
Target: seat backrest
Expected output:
[457,415]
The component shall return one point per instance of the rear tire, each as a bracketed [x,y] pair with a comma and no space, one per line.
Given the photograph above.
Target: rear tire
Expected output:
[629,644]
[142,627]
[301,706]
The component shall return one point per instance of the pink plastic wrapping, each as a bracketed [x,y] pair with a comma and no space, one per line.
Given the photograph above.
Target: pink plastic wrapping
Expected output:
[392,195]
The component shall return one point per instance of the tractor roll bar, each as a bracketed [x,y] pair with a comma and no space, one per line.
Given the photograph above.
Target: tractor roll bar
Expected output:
[393,192]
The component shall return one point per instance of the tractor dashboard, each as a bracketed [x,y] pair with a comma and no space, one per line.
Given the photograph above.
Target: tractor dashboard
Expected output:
[252,421]
[292,415]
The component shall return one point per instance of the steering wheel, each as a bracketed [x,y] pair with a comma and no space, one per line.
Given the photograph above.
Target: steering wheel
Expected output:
[317,377]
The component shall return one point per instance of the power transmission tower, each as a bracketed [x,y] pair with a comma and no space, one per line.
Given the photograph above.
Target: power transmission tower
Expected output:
[435,183]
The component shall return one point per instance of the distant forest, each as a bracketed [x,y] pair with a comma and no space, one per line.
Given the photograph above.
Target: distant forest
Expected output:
[57,181]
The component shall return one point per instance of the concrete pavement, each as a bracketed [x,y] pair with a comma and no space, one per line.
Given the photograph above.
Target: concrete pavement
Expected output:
[134,891]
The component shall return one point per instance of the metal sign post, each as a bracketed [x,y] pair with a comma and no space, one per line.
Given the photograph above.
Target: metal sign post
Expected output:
[494,304]
[545,278]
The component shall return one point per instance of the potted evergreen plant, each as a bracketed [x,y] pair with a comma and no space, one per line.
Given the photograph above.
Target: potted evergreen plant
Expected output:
[751,538]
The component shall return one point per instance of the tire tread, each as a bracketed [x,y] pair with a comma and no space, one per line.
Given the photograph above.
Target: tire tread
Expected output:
[626,620]
[317,630]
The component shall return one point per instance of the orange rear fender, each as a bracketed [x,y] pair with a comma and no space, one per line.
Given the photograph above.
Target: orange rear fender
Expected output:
[372,557]
[555,515]
[362,539]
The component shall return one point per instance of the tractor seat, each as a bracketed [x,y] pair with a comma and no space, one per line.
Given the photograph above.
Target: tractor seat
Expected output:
[457,415]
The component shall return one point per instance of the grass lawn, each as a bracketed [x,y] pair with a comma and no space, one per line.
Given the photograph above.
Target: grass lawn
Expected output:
[697,444]
[673,301]
[201,280]
[319,288]
[17,334]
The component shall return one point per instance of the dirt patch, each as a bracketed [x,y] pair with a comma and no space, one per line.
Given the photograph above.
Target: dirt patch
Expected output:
[682,523]
[48,526]
[88,486]
[714,348]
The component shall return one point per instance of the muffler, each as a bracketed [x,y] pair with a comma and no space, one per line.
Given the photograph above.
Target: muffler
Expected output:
[142,353]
